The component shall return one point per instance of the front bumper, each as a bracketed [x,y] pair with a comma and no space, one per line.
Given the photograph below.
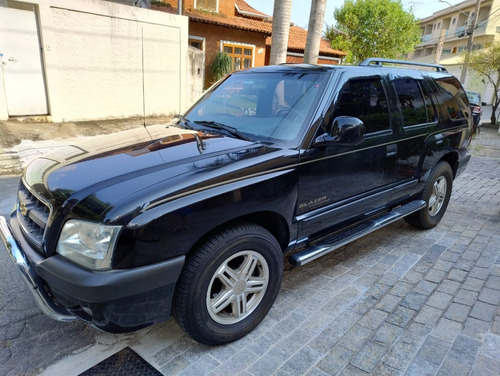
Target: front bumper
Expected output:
[115,300]
[35,284]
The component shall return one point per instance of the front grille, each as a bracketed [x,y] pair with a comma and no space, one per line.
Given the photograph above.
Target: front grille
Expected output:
[33,215]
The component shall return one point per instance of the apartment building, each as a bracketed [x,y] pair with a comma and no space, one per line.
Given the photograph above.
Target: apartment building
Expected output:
[445,35]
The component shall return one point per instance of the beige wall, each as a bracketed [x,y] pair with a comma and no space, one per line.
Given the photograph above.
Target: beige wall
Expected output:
[92,59]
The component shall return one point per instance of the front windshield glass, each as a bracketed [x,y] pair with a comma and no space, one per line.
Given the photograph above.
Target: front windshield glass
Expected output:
[273,107]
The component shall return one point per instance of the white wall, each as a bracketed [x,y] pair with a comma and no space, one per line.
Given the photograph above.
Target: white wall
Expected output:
[196,70]
[93,57]
[4,115]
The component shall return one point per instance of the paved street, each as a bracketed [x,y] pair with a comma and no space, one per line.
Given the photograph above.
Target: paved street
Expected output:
[400,301]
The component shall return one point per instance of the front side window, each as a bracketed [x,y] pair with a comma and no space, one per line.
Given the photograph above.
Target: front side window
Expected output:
[241,56]
[365,99]
[273,107]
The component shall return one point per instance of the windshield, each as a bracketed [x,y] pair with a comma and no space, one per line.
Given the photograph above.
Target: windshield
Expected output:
[272,107]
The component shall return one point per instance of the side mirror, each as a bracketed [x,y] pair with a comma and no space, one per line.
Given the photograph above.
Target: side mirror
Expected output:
[484,104]
[346,130]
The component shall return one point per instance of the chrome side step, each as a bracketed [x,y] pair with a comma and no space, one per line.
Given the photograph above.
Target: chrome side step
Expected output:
[353,233]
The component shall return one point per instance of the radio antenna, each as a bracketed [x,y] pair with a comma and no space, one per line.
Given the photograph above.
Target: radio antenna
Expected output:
[143,85]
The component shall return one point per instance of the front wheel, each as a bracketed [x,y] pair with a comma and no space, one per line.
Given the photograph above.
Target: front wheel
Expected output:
[436,194]
[229,284]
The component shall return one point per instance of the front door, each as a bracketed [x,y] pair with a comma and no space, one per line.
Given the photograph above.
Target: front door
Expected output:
[341,182]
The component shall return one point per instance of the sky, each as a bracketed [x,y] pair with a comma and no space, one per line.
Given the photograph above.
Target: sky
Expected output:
[301,8]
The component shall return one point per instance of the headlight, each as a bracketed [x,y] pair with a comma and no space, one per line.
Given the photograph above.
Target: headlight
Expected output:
[88,244]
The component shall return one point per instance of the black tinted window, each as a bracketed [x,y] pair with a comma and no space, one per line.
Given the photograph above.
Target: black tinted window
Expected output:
[413,106]
[366,100]
[452,98]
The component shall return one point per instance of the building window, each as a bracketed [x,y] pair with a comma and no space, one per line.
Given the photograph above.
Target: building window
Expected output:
[211,5]
[197,43]
[462,48]
[242,56]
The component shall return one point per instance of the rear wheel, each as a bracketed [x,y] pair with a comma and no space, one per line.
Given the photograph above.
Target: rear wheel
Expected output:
[229,284]
[436,193]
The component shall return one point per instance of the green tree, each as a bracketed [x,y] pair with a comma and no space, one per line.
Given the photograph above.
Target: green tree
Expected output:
[487,63]
[221,66]
[374,28]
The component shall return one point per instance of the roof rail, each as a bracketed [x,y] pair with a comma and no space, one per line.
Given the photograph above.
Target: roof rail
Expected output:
[378,61]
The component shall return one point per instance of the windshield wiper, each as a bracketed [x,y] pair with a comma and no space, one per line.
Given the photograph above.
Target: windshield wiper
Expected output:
[222,127]
[183,122]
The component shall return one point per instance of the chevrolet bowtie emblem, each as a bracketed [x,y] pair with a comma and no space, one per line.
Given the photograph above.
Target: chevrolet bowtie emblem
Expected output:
[23,209]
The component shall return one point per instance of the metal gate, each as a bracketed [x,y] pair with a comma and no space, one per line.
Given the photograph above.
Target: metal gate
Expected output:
[23,75]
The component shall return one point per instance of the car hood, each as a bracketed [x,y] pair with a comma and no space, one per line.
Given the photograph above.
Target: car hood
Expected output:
[137,167]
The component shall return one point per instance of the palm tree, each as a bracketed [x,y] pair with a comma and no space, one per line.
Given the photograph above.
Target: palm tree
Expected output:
[282,13]
[314,31]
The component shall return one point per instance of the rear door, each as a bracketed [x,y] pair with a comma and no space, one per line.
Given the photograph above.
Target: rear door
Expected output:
[416,120]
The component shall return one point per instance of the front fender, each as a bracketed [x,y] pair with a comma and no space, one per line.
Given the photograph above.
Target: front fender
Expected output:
[173,227]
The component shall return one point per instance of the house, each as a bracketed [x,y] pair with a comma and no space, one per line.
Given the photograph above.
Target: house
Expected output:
[242,32]
[445,35]
[86,60]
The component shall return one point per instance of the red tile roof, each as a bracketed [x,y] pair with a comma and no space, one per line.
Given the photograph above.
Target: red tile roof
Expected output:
[221,20]
[246,10]
[232,22]
[296,40]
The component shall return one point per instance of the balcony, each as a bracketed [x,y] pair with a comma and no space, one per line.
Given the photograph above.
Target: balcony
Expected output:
[425,38]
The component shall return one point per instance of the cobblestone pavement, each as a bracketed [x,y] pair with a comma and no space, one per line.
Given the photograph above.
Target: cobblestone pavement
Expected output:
[400,301]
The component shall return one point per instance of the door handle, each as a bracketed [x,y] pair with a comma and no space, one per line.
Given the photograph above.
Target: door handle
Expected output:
[391,150]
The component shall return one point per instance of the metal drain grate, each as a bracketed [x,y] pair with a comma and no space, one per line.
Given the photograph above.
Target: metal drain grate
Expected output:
[125,362]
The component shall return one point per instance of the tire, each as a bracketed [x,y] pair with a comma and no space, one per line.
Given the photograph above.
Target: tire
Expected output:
[229,284]
[436,194]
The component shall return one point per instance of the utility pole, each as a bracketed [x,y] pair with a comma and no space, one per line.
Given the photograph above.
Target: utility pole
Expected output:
[470,31]
[439,49]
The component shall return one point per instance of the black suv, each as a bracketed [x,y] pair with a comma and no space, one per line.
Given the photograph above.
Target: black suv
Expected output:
[272,163]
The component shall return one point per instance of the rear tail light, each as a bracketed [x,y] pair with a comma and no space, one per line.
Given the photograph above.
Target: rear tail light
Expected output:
[476,110]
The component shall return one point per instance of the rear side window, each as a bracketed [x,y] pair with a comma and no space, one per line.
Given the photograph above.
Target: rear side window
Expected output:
[365,99]
[451,97]
[416,106]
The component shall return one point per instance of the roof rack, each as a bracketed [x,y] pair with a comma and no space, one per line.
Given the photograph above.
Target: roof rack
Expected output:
[378,61]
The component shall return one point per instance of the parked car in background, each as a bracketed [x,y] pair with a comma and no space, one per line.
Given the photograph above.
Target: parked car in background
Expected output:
[476,108]
[275,161]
